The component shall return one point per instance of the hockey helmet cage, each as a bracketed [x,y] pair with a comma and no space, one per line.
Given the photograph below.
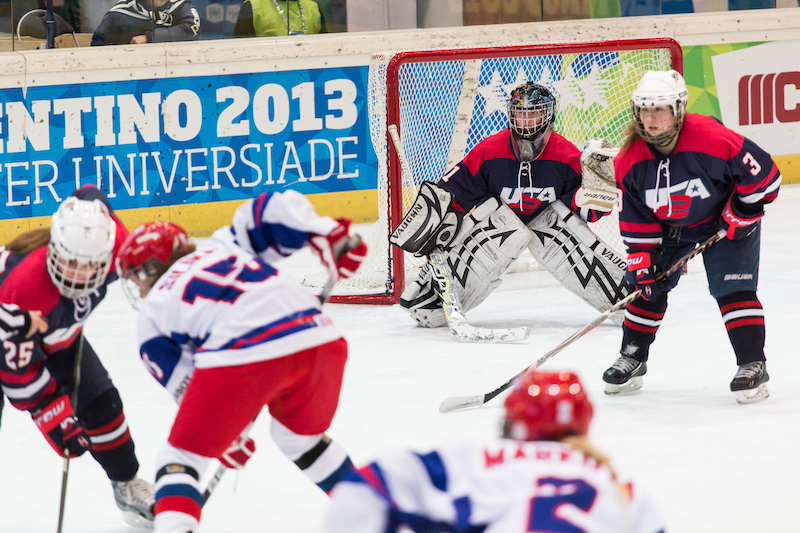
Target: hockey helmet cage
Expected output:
[531,114]
[547,406]
[657,89]
[146,251]
[81,247]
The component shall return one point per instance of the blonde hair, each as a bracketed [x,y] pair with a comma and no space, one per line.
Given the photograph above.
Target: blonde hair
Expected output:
[29,241]
[631,136]
[581,443]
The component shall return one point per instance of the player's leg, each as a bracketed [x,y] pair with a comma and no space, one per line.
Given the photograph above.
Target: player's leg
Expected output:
[490,239]
[101,412]
[639,328]
[218,404]
[304,412]
[563,244]
[732,270]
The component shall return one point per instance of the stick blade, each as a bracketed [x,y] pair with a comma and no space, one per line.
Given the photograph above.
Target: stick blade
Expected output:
[467,333]
[454,403]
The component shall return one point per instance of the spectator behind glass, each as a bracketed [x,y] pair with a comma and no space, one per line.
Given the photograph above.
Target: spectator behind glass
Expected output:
[267,18]
[148,21]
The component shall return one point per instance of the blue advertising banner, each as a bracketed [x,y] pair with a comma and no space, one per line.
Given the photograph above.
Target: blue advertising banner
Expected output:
[191,140]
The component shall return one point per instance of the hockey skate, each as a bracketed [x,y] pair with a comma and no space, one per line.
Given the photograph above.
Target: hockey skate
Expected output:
[136,499]
[624,376]
[750,382]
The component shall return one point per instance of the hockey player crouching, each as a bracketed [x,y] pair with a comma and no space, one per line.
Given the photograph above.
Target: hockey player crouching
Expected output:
[520,187]
[227,334]
[543,475]
[682,177]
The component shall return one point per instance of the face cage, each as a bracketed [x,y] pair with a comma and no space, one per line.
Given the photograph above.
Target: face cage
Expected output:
[72,288]
[665,138]
[146,272]
[548,110]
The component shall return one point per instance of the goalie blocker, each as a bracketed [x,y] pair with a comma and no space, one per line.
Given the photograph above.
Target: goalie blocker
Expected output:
[481,245]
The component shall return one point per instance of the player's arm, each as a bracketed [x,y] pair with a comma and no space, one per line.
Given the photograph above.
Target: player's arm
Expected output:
[275,225]
[757,182]
[16,321]
[29,386]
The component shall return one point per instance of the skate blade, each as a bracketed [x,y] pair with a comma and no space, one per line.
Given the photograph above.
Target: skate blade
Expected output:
[752,395]
[629,386]
[136,520]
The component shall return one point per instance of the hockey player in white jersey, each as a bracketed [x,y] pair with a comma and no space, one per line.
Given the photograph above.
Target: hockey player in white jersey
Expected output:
[227,334]
[542,476]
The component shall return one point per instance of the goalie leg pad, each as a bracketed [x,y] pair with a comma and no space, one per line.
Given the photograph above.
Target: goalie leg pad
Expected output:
[429,223]
[565,246]
[477,262]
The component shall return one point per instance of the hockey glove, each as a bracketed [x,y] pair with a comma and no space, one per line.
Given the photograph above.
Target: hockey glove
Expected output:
[60,427]
[739,219]
[339,251]
[238,453]
[644,265]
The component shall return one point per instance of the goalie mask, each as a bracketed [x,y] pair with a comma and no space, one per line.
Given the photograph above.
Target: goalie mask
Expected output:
[531,113]
[547,406]
[82,235]
[146,254]
[660,89]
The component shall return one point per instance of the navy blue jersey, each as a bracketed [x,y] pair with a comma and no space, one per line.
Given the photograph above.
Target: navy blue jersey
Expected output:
[690,186]
[177,20]
[24,282]
[490,169]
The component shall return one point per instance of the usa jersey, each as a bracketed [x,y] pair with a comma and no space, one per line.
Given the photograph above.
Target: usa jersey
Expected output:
[690,186]
[497,486]
[491,169]
[24,282]
[226,305]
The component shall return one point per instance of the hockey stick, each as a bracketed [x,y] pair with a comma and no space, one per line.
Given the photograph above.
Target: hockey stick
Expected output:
[221,469]
[73,398]
[443,277]
[455,403]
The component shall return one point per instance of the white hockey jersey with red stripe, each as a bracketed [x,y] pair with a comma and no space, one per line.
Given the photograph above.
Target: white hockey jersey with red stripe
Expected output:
[226,305]
[497,486]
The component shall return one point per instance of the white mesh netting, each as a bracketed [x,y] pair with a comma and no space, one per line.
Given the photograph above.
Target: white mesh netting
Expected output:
[446,105]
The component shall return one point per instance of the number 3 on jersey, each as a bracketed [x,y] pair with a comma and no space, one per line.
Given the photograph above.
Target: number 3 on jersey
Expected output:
[552,494]
[219,286]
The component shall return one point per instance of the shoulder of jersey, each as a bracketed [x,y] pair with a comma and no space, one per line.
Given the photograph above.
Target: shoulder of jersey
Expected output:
[29,285]
[562,150]
[701,133]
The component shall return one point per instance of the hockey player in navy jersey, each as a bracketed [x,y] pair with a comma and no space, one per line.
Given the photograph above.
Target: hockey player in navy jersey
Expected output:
[684,176]
[543,475]
[62,272]
[227,334]
[518,188]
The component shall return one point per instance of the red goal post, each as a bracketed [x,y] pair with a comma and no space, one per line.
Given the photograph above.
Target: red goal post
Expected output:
[446,101]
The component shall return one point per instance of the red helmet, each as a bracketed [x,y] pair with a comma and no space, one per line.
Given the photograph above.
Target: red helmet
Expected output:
[153,240]
[547,406]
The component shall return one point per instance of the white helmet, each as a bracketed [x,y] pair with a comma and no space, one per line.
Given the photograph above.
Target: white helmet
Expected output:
[81,246]
[657,89]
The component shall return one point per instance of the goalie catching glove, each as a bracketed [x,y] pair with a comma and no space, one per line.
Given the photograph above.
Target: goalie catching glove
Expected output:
[339,251]
[598,188]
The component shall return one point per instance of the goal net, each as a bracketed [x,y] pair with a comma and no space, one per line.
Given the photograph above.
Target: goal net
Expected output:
[446,101]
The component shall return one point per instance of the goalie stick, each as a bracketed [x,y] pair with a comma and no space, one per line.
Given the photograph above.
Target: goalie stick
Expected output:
[455,403]
[443,278]
[221,469]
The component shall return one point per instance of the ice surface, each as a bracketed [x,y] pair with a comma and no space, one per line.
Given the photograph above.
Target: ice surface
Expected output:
[711,464]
